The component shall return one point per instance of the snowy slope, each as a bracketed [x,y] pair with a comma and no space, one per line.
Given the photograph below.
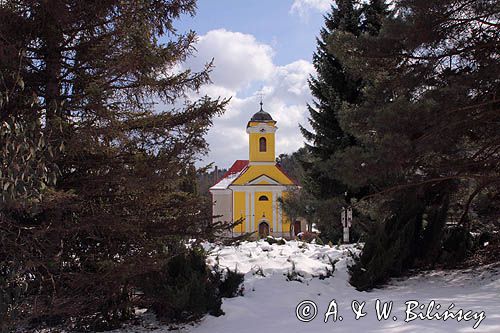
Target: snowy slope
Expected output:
[269,302]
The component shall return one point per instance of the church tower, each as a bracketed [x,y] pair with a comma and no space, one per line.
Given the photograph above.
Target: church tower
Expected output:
[250,190]
[261,131]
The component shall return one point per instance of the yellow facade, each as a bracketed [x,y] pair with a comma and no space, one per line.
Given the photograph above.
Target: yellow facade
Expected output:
[239,210]
[268,211]
[255,171]
[263,209]
[257,183]
[254,148]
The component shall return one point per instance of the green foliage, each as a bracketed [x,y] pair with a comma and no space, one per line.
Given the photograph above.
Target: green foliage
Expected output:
[424,131]
[414,235]
[231,285]
[184,289]
[329,271]
[298,204]
[293,164]
[392,246]
[271,240]
[25,167]
[90,95]
[333,87]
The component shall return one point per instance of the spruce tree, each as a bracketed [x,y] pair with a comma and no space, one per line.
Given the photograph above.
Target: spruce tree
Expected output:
[333,87]
[428,131]
[332,84]
[100,82]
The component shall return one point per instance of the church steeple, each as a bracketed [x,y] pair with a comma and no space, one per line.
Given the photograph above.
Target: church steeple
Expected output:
[261,135]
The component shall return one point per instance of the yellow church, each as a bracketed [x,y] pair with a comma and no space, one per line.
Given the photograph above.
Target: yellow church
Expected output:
[250,189]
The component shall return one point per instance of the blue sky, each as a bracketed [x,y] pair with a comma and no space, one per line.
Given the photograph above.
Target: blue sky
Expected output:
[256,45]
[291,33]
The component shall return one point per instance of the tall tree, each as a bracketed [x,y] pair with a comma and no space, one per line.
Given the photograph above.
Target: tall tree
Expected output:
[428,128]
[332,87]
[107,95]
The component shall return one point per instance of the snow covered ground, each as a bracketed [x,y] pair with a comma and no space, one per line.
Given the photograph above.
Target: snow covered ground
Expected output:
[272,294]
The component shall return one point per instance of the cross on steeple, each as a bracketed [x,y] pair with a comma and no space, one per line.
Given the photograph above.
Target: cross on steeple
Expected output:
[260,93]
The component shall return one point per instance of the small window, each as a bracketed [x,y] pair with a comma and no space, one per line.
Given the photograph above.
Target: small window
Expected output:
[263,198]
[262,145]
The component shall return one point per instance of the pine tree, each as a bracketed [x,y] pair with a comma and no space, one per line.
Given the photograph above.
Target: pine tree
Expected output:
[112,107]
[427,128]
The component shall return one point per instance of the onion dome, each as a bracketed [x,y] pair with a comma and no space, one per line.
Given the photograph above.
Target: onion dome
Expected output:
[261,116]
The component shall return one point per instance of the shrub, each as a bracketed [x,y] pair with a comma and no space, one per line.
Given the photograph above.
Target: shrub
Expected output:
[293,275]
[230,285]
[272,240]
[457,242]
[184,289]
[308,236]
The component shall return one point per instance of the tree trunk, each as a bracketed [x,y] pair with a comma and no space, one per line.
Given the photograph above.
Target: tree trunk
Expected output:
[52,39]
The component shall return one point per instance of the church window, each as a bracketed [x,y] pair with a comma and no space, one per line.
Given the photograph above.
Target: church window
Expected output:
[262,145]
[263,198]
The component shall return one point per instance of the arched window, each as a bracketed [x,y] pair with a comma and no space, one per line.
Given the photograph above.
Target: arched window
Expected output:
[262,145]
[263,198]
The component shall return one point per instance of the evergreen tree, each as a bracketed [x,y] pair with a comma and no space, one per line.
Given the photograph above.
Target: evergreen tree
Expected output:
[334,86]
[99,83]
[427,128]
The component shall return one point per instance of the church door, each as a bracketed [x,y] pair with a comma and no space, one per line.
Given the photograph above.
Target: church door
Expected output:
[296,227]
[263,229]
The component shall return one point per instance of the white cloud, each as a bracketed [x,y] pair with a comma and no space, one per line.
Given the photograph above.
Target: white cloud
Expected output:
[240,58]
[303,7]
[242,66]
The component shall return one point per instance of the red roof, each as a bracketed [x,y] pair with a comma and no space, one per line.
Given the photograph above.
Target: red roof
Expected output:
[234,171]
[236,167]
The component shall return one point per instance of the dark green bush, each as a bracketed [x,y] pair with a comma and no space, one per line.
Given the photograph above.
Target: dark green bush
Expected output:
[183,290]
[186,289]
[391,248]
[230,286]
[457,242]
[272,240]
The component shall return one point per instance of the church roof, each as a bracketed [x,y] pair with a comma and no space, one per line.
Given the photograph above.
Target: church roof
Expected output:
[234,172]
[262,115]
[238,168]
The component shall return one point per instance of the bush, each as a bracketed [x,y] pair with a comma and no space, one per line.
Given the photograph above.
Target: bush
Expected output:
[183,290]
[390,248]
[271,240]
[412,237]
[186,289]
[293,275]
[457,242]
[308,236]
[230,285]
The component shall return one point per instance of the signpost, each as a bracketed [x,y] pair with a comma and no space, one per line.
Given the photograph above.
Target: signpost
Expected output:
[346,219]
